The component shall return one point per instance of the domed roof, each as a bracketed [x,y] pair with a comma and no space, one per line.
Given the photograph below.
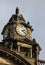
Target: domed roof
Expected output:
[17,16]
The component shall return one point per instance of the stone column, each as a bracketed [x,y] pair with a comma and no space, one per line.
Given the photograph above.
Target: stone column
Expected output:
[28,53]
[11,46]
[18,48]
[31,52]
[37,54]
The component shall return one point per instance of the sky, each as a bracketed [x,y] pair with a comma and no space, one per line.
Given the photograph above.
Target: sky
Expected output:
[33,11]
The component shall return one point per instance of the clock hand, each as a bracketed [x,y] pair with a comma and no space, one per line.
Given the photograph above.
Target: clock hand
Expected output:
[23,31]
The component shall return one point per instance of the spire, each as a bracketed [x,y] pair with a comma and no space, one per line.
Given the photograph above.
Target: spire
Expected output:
[17,10]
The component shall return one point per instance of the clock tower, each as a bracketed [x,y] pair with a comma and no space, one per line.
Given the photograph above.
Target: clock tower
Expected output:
[17,36]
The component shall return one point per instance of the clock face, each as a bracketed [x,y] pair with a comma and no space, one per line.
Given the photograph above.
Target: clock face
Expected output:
[21,30]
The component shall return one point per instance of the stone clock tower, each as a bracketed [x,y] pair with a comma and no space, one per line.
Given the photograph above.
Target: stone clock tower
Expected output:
[17,36]
[17,27]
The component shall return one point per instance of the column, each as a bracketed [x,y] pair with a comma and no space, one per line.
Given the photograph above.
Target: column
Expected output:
[31,52]
[37,53]
[28,52]
[11,46]
[18,48]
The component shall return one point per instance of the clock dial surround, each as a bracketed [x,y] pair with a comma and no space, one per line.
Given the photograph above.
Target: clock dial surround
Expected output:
[21,30]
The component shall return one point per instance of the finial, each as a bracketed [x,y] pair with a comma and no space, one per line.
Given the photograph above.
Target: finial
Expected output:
[17,10]
[34,40]
[28,23]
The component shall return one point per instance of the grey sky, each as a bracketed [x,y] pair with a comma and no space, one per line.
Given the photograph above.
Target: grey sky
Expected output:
[33,11]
